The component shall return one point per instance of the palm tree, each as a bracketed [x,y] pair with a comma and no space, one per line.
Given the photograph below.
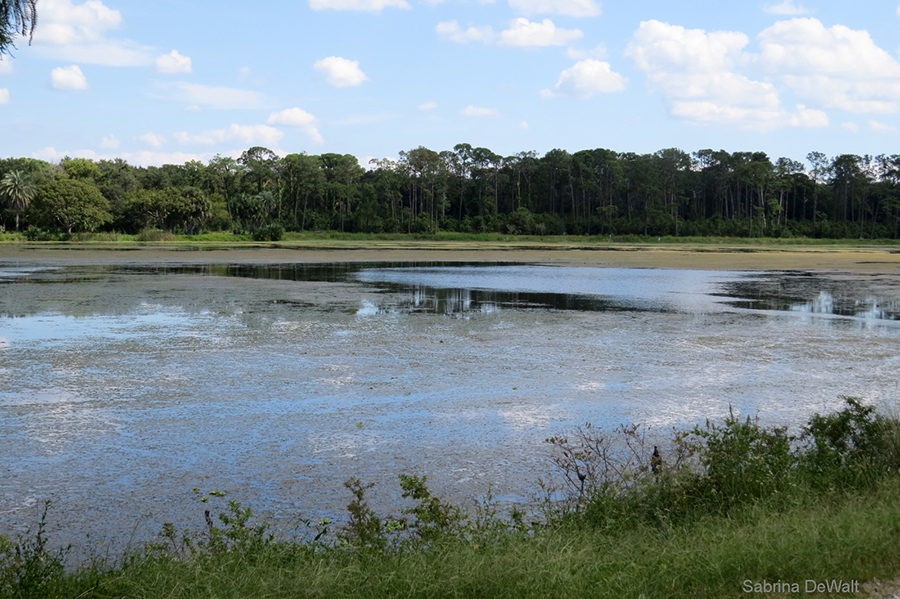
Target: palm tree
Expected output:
[17,17]
[17,189]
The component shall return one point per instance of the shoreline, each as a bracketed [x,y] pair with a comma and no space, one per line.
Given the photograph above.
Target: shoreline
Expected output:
[858,260]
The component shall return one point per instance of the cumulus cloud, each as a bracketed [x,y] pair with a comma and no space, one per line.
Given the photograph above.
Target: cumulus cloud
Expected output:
[785,8]
[451,30]
[297,117]
[571,8]
[876,126]
[79,32]
[850,127]
[599,52]
[834,67]
[478,111]
[109,141]
[523,32]
[696,73]
[214,97]
[4,95]
[341,72]
[68,78]
[586,78]
[808,117]
[426,106]
[6,66]
[251,135]
[153,139]
[364,5]
[522,125]
[173,62]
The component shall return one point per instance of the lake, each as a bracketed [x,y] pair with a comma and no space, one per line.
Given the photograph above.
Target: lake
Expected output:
[125,387]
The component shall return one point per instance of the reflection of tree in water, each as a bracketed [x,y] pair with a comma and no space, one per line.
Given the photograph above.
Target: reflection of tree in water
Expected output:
[806,292]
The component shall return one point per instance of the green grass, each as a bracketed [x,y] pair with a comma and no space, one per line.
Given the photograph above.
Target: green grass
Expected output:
[745,504]
[293,237]
[850,537]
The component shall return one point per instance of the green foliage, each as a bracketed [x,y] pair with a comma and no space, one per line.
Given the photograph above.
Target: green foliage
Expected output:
[742,460]
[155,235]
[28,568]
[17,17]
[365,528]
[852,448]
[434,516]
[70,205]
[270,232]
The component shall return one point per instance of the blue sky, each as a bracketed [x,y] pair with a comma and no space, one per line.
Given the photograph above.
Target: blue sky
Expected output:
[166,82]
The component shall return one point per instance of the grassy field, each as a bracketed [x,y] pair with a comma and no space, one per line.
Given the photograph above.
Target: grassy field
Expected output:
[730,506]
[314,238]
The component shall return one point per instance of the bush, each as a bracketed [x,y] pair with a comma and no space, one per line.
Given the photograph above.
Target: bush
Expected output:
[37,234]
[155,235]
[852,448]
[271,232]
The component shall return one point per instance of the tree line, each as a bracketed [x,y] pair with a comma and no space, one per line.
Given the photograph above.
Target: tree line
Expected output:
[466,189]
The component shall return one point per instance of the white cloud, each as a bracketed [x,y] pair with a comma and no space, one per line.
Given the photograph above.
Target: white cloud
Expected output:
[6,67]
[50,154]
[297,117]
[68,78]
[695,73]
[785,8]
[109,141]
[850,127]
[78,32]
[173,62]
[586,78]
[522,125]
[192,108]
[523,32]
[572,8]
[834,67]
[214,97]
[876,126]
[4,96]
[477,111]
[365,5]
[451,30]
[808,117]
[251,135]
[153,139]
[599,52]
[340,72]
[425,106]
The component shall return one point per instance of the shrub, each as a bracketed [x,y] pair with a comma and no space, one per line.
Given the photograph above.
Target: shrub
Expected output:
[155,235]
[271,232]
[851,448]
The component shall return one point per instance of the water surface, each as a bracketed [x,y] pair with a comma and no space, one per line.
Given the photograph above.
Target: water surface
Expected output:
[122,389]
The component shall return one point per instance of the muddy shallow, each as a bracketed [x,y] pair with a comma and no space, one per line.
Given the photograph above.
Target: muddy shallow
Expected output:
[124,387]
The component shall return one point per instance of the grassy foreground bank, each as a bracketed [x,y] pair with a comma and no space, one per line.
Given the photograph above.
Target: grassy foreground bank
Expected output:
[718,508]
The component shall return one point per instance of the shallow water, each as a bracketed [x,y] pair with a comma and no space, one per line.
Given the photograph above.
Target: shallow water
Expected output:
[122,389]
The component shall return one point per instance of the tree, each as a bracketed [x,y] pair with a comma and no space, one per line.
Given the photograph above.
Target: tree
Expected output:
[17,189]
[17,17]
[71,205]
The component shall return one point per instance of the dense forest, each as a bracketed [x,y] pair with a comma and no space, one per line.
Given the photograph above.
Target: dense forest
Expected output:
[466,189]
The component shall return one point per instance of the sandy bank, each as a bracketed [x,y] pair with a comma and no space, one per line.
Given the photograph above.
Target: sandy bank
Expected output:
[871,260]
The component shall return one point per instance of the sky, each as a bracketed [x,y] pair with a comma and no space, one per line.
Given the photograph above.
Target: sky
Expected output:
[167,82]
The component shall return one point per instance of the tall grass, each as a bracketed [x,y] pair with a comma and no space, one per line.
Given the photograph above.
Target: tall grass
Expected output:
[716,506]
